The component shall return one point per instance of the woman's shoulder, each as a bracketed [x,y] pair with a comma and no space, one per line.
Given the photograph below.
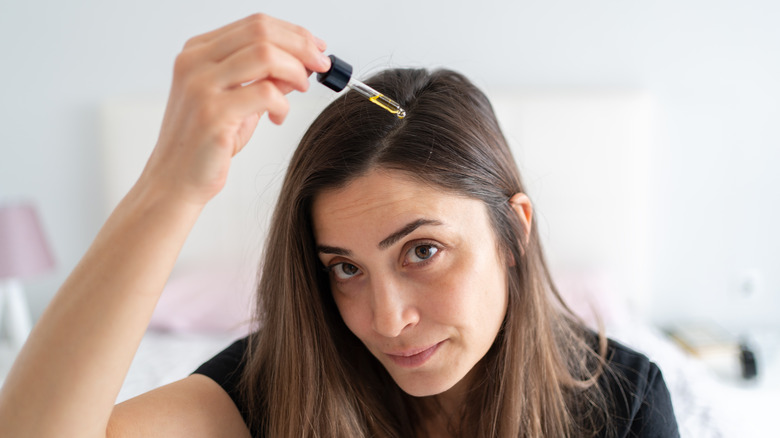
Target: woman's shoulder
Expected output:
[640,400]
[227,368]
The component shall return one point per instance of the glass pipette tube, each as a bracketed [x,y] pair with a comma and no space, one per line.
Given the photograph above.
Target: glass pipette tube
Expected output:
[339,76]
[377,97]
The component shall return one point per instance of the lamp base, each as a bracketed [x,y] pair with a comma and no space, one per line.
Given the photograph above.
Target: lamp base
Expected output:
[15,316]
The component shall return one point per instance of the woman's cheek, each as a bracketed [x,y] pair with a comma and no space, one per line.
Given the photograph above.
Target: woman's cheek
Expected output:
[444,288]
[351,307]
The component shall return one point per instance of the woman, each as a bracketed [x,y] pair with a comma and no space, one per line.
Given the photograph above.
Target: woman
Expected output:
[403,292]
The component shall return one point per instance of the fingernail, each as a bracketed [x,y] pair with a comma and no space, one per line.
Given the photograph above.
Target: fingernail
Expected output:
[321,44]
[325,60]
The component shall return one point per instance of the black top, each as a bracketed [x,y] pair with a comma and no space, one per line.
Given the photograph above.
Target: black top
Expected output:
[643,407]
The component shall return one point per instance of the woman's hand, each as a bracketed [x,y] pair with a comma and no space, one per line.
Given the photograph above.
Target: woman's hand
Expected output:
[223,82]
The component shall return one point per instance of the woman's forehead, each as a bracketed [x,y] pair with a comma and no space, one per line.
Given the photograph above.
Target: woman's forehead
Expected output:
[384,200]
[380,189]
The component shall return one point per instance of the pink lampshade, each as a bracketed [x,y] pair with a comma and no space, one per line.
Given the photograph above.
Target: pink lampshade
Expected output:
[23,247]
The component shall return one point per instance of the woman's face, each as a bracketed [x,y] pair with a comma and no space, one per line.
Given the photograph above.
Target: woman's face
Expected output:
[416,275]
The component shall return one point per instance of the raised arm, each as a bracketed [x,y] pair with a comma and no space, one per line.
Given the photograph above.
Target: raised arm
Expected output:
[67,377]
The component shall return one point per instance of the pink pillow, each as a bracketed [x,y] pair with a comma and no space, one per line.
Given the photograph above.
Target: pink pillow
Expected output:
[591,294]
[208,299]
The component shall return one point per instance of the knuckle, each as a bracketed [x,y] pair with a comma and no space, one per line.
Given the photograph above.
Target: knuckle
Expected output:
[306,42]
[190,60]
[191,42]
[302,31]
[305,45]
[259,25]
[262,51]
[181,65]
[266,89]
[259,17]
[258,30]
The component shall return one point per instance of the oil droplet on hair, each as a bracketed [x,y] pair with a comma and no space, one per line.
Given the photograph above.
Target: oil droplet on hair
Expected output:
[389,105]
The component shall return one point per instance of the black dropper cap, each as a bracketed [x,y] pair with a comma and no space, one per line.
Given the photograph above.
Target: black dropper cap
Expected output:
[338,76]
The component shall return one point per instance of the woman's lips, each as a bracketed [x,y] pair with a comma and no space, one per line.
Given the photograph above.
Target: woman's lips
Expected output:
[415,357]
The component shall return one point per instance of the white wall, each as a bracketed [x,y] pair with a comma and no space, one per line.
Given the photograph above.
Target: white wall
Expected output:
[711,66]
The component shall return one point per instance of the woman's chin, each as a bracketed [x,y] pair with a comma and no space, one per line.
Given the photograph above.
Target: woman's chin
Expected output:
[422,386]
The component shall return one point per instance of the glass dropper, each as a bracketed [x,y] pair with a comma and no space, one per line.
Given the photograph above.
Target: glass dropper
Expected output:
[340,76]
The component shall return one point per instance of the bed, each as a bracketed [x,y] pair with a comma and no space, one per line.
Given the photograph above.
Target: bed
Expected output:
[572,145]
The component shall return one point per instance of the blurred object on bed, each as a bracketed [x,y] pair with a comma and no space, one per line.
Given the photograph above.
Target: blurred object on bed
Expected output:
[713,345]
[24,252]
[704,338]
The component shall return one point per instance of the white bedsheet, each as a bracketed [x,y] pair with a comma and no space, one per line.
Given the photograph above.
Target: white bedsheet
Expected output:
[705,405]
[708,404]
[164,358]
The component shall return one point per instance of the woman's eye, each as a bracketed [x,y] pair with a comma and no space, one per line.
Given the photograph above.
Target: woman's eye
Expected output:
[421,253]
[344,271]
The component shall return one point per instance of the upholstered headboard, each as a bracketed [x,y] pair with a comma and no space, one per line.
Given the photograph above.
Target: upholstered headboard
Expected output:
[584,155]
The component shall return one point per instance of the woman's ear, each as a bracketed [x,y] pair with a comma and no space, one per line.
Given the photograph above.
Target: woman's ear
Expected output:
[521,204]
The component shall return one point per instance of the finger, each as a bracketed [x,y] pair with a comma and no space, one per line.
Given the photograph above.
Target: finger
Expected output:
[208,37]
[299,41]
[283,87]
[258,98]
[307,49]
[262,61]
[293,28]
[321,44]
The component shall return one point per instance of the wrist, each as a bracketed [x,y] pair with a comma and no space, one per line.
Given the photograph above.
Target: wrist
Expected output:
[154,194]
[158,211]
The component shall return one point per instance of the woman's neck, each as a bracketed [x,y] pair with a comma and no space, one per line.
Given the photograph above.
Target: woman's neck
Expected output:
[442,413]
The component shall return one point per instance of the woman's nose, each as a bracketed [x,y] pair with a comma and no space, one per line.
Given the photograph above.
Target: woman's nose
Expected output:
[393,310]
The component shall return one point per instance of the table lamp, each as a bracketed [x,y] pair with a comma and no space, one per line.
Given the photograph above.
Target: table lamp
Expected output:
[24,252]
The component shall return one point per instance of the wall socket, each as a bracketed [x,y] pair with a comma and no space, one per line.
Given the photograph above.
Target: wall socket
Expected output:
[749,283]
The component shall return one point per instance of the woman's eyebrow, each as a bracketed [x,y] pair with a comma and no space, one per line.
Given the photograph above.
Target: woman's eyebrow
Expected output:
[407,229]
[324,249]
[384,244]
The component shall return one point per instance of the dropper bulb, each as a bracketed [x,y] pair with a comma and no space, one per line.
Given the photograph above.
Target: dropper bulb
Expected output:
[338,76]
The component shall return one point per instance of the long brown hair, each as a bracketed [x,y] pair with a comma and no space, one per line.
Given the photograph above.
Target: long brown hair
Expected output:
[308,375]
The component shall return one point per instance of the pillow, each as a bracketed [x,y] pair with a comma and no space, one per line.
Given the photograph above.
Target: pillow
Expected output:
[591,294]
[212,298]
